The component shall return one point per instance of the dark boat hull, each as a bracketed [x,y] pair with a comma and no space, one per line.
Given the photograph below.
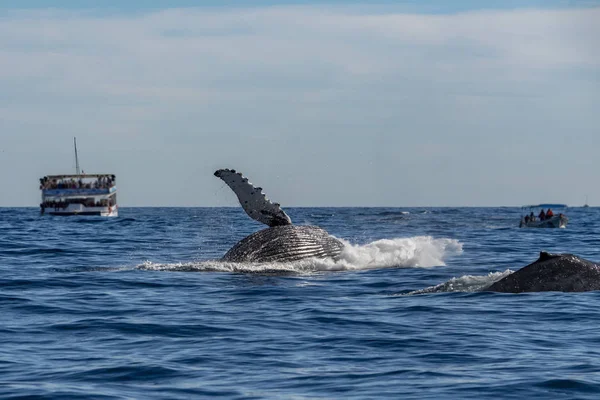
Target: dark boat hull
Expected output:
[557,221]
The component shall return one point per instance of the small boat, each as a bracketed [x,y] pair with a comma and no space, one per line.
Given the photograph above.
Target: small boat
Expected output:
[586,205]
[79,193]
[559,220]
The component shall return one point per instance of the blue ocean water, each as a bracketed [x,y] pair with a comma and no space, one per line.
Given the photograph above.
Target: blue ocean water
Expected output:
[138,307]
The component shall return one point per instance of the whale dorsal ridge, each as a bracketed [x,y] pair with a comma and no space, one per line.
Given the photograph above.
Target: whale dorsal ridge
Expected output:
[253,200]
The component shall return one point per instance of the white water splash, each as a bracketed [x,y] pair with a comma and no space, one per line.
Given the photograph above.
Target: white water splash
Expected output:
[466,283]
[420,251]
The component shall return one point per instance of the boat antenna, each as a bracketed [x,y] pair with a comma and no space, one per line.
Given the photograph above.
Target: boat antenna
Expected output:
[76,157]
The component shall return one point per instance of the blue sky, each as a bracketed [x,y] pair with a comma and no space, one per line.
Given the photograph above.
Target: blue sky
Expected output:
[322,104]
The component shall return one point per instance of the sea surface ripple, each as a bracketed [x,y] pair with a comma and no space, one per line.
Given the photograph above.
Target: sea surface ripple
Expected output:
[140,307]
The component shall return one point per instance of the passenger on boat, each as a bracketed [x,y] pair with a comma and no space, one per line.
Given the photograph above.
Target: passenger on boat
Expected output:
[527,219]
[531,217]
[542,215]
[549,214]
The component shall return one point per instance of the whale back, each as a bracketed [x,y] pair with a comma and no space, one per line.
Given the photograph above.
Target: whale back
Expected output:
[253,200]
[552,272]
[284,244]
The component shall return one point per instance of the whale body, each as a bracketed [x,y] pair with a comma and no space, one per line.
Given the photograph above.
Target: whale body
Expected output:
[552,273]
[282,241]
[285,243]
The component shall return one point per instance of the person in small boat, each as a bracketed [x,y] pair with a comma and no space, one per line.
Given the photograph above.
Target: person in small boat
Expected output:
[527,219]
[542,215]
[549,214]
[531,217]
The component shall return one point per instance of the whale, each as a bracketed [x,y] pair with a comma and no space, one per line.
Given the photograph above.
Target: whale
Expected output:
[282,241]
[551,273]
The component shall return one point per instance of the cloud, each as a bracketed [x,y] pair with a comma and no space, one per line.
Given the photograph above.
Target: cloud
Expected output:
[345,85]
[185,48]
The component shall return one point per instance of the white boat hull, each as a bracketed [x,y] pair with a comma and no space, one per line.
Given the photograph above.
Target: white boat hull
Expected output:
[78,209]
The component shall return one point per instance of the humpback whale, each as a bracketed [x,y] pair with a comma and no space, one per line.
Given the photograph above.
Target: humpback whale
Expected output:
[282,241]
[552,273]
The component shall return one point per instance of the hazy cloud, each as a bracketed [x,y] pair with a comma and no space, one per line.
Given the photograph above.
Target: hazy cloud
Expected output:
[320,105]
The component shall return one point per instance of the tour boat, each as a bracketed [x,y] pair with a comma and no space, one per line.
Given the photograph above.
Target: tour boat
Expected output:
[79,194]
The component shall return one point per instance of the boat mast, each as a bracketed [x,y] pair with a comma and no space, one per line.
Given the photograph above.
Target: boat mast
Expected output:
[76,158]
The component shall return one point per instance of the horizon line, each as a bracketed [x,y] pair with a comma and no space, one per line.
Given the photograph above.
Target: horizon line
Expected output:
[288,207]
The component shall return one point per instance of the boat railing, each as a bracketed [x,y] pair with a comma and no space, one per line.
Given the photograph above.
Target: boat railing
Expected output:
[75,185]
[77,182]
[78,192]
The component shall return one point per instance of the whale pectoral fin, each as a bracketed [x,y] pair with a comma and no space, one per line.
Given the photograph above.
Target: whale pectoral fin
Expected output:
[253,200]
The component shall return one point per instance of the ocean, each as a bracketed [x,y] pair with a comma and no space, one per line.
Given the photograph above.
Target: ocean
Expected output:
[139,307]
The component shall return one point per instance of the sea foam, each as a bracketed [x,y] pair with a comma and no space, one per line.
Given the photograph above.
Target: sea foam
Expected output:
[465,283]
[415,252]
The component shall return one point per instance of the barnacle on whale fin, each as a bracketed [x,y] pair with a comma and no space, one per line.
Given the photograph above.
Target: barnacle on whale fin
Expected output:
[252,199]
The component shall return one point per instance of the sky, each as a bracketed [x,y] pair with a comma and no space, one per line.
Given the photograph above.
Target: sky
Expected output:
[393,103]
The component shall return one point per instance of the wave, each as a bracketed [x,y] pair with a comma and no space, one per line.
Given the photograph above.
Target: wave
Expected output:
[419,251]
[392,213]
[466,283]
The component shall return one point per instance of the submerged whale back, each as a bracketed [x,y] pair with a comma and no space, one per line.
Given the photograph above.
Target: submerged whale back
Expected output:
[552,272]
[285,243]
